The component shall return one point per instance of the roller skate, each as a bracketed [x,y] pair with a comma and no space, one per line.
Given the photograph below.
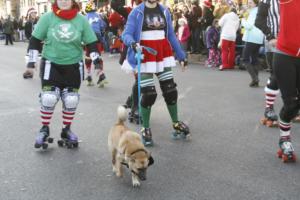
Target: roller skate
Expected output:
[90,81]
[297,118]
[102,81]
[134,116]
[286,150]
[68,138]
[28,74]
[270,118]
[42,139]
[182,131]
[147,136]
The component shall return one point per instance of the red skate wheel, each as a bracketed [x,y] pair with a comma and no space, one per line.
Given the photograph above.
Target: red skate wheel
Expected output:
[263,121]
[285,158]
[269,123]
[279,153]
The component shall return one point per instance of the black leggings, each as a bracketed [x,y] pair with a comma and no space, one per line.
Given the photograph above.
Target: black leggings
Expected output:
[8,38]
[272,83]
[287,74]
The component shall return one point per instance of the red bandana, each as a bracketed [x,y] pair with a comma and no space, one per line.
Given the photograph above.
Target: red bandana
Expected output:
[65,14]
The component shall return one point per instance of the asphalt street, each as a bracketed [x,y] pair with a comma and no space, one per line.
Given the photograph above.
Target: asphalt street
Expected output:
[231,155]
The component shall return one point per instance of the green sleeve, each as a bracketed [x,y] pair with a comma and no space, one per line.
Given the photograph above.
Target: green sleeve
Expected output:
[41,29]
[88,35]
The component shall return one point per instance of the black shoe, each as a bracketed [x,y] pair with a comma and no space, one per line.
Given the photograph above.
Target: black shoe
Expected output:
[254,84]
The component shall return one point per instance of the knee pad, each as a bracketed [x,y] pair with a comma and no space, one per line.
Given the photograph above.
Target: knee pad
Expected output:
[148,96]
[169,91]
[49,98]
[290,109]
[70,99]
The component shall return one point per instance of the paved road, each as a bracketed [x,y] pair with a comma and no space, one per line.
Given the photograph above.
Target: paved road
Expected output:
[231,156]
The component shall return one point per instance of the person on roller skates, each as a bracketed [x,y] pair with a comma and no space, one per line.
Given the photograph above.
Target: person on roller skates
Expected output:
[286,67]
[132,99]
[63,30]
[268,11]
[150,25]
[29,27]
[98,25]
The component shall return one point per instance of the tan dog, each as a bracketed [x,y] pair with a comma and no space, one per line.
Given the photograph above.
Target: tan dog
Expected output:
[126,148]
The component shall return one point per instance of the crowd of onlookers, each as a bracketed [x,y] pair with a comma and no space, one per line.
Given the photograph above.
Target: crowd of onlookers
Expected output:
[219,29]
[13,29]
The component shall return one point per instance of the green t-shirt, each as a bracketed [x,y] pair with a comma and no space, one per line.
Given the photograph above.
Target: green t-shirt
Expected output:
[63,38]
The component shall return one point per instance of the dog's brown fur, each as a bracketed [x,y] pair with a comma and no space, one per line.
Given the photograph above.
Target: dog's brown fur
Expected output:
[126,147]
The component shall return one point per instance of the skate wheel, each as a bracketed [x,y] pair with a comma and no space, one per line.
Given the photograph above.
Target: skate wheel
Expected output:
[44,145]
[263,121]
[75,145]
[69,145]
[175,136]
[37,146]
[187,137]
[269,123]
[279,153]
[50,140]
[285,158]
[60,143]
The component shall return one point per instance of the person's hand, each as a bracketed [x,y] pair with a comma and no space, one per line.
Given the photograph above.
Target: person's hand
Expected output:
[136,47]
[183,64]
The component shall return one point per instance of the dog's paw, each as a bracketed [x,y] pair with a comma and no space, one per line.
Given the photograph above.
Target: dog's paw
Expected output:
[135,183]
[114,169]
[119,174]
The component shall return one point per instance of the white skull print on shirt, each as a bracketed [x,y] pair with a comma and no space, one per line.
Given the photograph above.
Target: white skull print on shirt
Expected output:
[64,32]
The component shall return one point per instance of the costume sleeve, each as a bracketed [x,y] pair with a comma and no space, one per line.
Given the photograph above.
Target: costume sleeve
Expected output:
[130,28]
[261,20]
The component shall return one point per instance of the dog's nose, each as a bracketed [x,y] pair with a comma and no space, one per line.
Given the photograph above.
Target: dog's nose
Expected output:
[142,174]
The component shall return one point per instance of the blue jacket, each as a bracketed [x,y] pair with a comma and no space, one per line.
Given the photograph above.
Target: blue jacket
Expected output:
[252,33]
[212,37]
[97,23]
[133,30]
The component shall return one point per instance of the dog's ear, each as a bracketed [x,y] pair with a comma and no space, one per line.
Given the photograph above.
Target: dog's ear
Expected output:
[151,160]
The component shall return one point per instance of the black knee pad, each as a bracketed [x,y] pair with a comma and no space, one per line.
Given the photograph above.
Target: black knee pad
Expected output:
[148,96]
[290,109]
[169,91]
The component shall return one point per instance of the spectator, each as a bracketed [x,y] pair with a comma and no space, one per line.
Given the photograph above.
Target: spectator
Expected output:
[229,24]
[8,30]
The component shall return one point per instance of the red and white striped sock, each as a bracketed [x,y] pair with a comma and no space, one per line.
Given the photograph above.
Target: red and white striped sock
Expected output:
[285,128]
[68,117]
[270,96]
[46,116]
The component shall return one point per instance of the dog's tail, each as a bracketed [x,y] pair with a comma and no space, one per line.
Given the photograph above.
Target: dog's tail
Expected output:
[122,114]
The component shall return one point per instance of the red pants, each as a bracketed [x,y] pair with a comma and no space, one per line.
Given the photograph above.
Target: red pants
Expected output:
[228,54]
